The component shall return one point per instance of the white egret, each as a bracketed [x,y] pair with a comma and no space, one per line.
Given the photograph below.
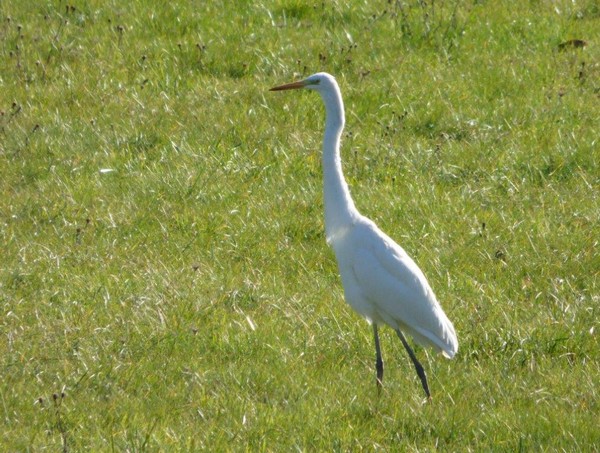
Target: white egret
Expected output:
[381,282]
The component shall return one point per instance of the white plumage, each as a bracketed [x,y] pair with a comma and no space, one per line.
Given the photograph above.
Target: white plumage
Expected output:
[381,282]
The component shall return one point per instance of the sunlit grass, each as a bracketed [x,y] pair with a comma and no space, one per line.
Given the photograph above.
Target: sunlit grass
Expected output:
[165,282]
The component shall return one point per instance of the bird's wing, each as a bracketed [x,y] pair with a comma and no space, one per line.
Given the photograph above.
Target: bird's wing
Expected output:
[396,287]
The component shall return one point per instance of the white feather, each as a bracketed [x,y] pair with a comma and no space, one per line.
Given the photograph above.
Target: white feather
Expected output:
[381,282]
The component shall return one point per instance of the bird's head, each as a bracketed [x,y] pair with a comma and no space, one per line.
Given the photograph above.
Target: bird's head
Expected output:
[327,87]
[320,82]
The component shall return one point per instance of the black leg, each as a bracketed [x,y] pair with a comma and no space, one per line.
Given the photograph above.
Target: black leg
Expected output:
[418,366]
[379,360]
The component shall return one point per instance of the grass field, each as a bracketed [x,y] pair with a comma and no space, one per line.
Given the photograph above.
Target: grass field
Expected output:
[165,284]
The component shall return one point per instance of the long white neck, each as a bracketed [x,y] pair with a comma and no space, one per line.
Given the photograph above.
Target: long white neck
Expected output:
[340,211]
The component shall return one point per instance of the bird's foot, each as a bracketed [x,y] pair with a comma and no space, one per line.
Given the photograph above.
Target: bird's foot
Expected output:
[379,386]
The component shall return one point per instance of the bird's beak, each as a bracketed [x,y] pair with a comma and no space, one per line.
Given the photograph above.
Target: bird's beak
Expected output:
[289,86]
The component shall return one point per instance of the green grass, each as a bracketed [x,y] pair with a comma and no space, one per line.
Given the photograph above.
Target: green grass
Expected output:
[187,300]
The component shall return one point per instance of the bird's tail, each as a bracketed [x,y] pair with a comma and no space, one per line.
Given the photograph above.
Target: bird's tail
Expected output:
[449,339]
[443,340]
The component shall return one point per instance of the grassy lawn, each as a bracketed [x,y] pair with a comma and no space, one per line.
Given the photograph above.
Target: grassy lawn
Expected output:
[165,283]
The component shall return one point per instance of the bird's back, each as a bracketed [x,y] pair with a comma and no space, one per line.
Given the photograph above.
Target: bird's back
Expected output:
[382,283]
